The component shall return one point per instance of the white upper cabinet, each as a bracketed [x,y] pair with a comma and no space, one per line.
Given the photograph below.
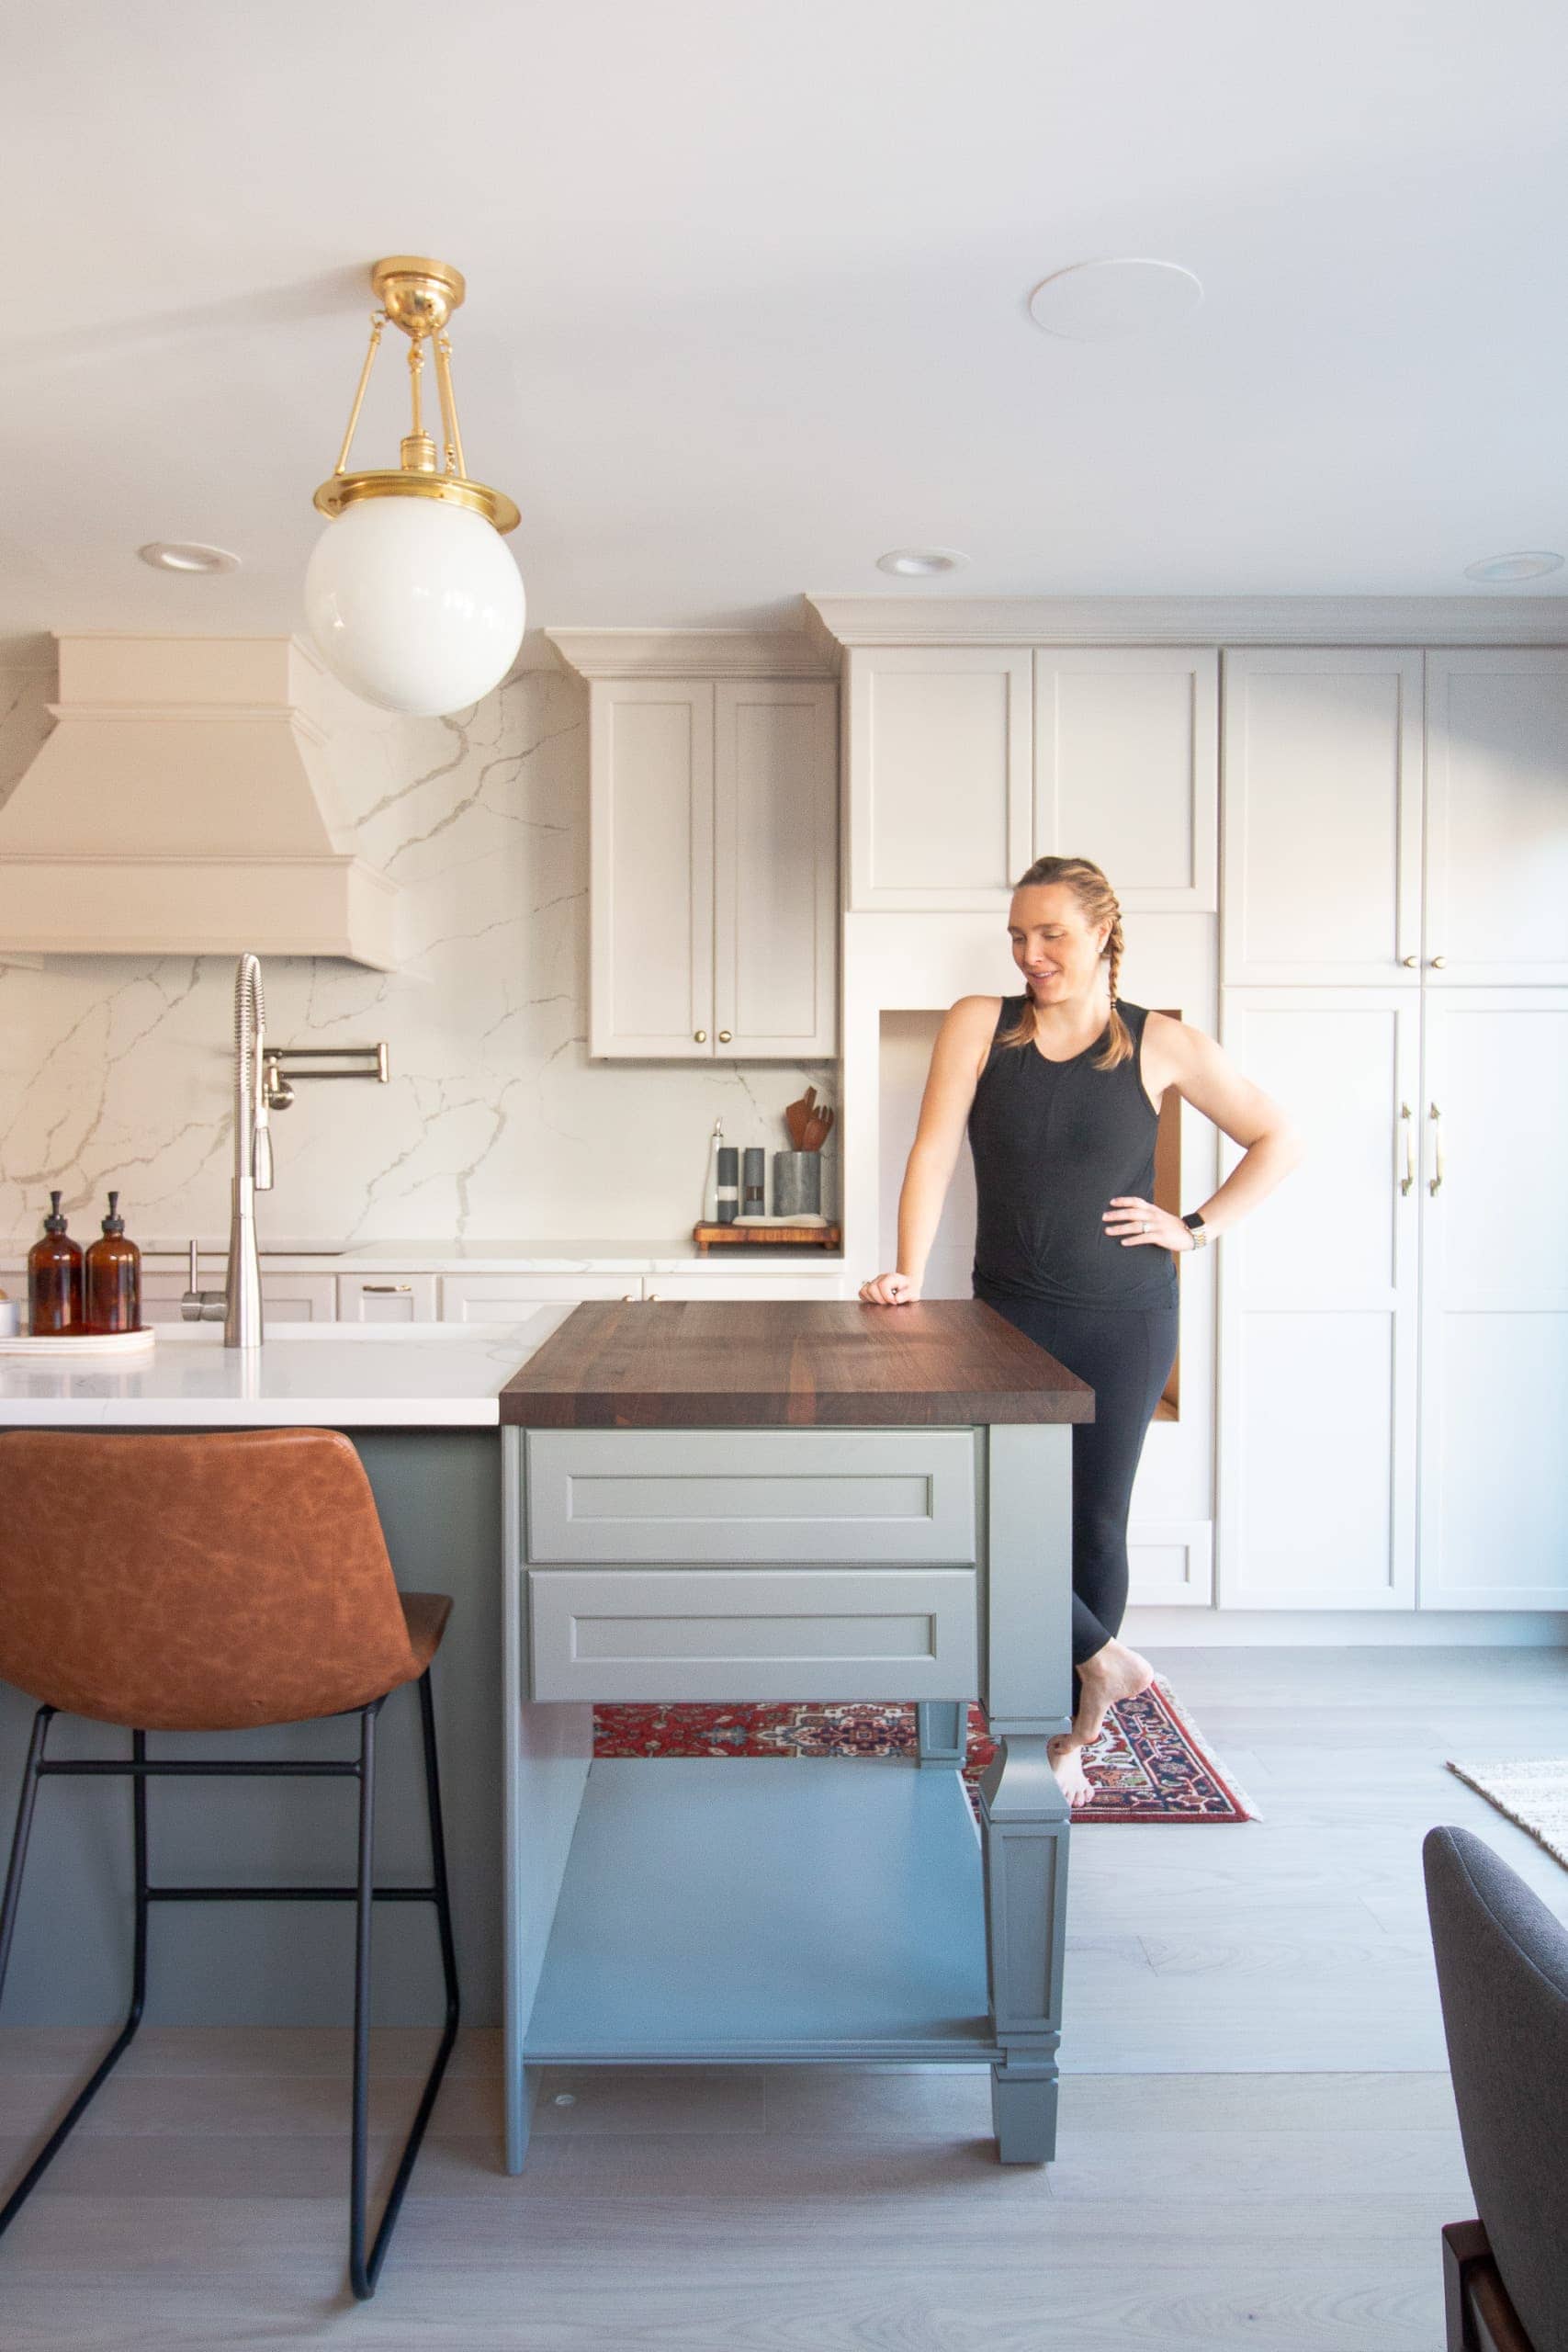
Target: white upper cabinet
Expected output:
[1323,816]
[939,762]
[1496,816]
[1126,761]
[714,869]
[651,899]
[776,868]
[967,763]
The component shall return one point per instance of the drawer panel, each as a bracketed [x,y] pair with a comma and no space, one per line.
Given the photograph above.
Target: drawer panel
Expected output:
[748,1634]
[901,1496]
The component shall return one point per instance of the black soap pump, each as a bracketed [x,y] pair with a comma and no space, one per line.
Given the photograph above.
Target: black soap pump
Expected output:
[54,1279]
[114,1277]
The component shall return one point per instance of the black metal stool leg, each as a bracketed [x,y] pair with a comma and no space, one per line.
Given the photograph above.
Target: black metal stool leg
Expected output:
[62,2130]
[359,2275]
[363,2275]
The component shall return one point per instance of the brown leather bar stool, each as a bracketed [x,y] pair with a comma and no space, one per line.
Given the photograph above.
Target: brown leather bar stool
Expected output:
[217,1583]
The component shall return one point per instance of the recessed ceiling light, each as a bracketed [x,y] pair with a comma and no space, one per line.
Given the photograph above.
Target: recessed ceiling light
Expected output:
[1101,302]
[186,554]
[919,563]
[1526,563]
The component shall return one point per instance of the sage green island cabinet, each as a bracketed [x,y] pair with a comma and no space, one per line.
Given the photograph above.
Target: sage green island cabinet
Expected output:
[788,1501]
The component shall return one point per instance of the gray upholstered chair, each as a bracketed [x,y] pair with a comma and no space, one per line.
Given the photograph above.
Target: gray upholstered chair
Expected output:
[1503,1976]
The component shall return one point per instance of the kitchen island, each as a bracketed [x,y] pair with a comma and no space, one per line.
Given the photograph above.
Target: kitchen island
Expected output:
[792,1501]
[420,1404]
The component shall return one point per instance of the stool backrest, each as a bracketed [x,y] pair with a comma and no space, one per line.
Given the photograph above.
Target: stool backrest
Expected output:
[1502,1962]
[203,1583]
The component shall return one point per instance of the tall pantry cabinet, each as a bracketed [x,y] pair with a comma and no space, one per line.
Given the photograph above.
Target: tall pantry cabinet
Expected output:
[1394,1324]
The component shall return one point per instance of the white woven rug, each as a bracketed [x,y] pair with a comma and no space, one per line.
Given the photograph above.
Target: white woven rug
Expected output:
[1534,1792]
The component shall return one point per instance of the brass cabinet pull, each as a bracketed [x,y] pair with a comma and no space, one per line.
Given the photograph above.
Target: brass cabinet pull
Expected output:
[1410,962]
[1407,1123]
[724,1036]
[1439,963]
[1435,1183]
[386,1290]
[701,1035]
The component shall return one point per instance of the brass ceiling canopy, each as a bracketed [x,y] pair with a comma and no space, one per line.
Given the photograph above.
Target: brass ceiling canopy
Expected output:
[418,296]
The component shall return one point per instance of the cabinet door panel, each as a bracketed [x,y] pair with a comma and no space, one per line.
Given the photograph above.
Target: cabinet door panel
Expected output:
[938,775]
[508,1298]
[1126,768]
[651,896]
[1494,1302]
[775,870]
[1318,1311]
[1323,772]
[285,1298]
[1497,816]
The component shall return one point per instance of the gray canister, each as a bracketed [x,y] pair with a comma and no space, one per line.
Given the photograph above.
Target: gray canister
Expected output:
[797,1183]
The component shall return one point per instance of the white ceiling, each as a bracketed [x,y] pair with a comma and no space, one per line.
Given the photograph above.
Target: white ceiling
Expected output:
[748,286]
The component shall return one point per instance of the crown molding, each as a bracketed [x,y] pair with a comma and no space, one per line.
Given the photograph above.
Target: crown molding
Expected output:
[844,621]
[692,653]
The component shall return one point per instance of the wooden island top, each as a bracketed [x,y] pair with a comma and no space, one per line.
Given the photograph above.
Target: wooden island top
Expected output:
[791,1365]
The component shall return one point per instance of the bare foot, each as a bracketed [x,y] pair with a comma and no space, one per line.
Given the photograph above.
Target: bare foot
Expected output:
[1115,1672]
[1066,1762]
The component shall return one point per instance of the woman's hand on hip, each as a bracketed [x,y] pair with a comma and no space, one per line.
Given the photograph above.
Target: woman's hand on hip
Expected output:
[1136,1224]
[889,1290]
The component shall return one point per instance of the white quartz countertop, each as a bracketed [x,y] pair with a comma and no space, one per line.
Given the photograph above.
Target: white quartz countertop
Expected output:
[421,1375]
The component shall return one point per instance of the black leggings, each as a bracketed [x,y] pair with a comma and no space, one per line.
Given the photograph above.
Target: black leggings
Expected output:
[1125,1355]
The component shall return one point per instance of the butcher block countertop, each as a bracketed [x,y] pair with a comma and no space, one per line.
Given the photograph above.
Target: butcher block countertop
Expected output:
[791,1365]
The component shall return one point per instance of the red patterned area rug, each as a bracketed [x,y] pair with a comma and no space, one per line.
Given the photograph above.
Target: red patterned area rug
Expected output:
[1150,1763]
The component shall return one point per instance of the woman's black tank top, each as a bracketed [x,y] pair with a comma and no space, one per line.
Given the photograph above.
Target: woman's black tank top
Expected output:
[1053,1144]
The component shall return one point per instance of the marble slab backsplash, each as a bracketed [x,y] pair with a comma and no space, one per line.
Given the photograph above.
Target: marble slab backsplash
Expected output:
[115,1071]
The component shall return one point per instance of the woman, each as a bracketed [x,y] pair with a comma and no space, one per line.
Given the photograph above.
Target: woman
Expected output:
[1061,1088]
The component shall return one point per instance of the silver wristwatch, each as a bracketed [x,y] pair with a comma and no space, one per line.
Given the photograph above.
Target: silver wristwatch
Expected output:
[1197,1228]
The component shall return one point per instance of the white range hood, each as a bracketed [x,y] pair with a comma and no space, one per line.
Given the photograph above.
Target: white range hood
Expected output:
[186,804]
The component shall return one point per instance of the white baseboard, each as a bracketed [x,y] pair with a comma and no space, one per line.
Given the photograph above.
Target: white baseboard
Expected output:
[1340,1628]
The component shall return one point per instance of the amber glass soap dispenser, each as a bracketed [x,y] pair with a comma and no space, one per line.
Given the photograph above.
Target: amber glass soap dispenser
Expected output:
[114,1277]
[54,1278]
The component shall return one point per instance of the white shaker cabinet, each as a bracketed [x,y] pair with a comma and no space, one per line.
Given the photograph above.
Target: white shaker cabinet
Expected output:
[1126,766]
[713,893]
[1496,835]
[1318,1311]
[938,774]
[967,762]
[651,897]
[1323,792]
[1493,1531]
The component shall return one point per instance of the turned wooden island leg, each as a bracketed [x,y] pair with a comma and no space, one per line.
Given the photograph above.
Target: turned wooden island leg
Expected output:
[1025,1817]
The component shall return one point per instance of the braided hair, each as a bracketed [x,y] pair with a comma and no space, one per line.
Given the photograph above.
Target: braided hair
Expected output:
[1097,901]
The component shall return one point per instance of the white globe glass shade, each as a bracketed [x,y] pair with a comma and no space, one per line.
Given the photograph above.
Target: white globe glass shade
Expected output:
[414,603]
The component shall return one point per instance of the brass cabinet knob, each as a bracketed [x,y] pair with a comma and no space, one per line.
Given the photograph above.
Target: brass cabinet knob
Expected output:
[724,1036]
[627,1296]
[653,1298]
[701,1035]
[1410,962]
[1439,963]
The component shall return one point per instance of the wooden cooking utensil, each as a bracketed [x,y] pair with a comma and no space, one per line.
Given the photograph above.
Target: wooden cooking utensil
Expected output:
[817,1129]
[797,1117]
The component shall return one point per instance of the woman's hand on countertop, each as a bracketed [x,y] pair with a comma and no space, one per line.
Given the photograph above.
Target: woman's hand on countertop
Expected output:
[889,1290]
[1136,1224]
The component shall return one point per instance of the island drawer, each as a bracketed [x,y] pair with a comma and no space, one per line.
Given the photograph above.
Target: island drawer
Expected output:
[901,1497]
[752,1634]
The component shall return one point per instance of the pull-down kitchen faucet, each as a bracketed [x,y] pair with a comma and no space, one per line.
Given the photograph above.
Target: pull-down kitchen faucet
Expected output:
[261,1084]
[240,1301]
